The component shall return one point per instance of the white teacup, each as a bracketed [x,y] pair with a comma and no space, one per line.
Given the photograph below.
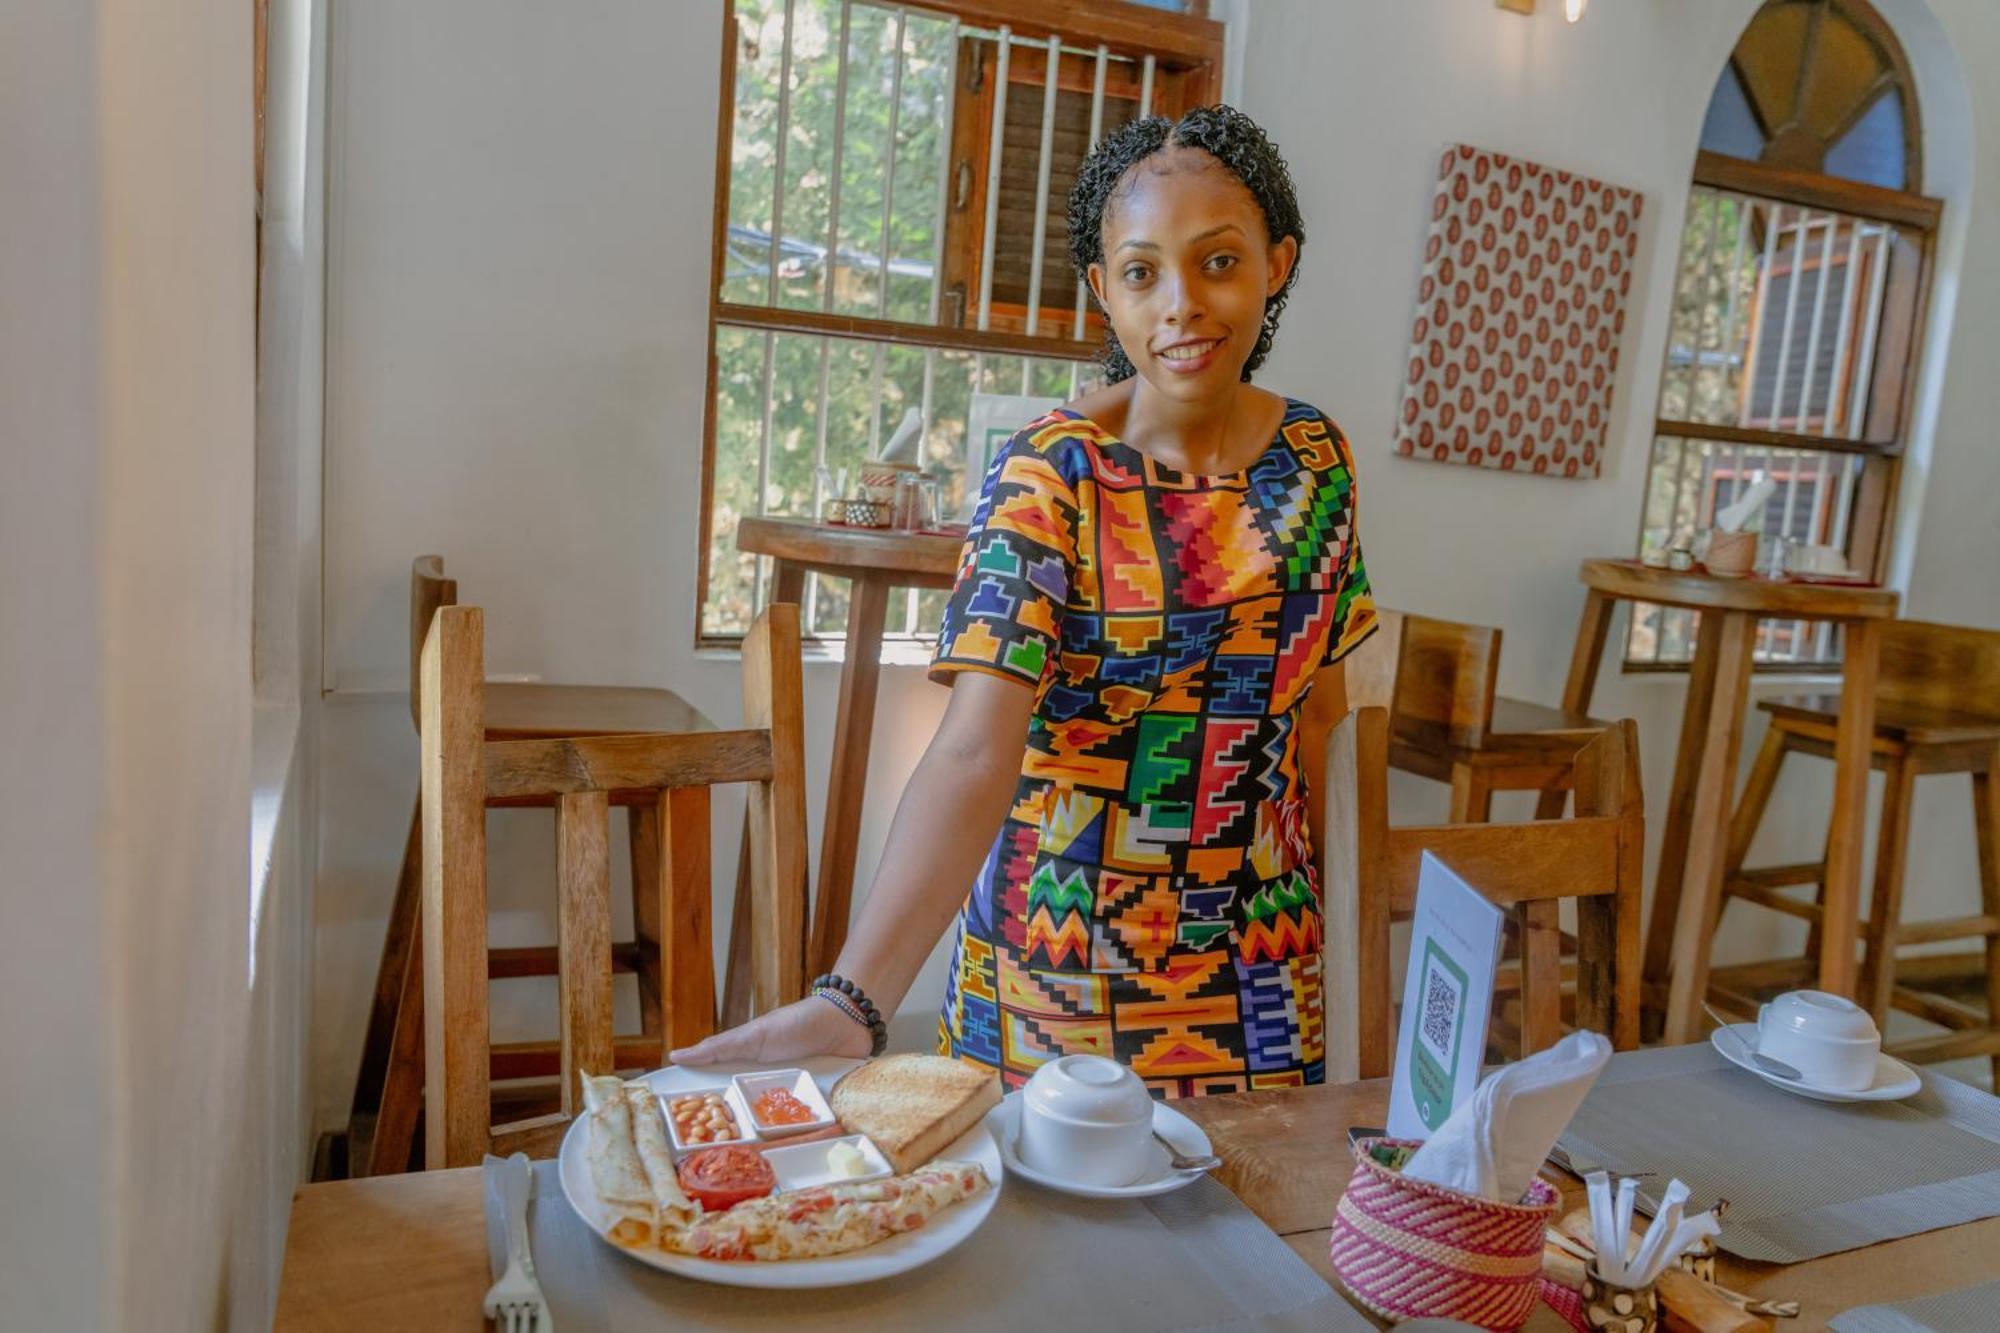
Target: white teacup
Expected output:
[1087,1120]
[1831,1041]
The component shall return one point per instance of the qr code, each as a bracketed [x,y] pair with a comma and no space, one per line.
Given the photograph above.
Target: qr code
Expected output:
[1440,1016]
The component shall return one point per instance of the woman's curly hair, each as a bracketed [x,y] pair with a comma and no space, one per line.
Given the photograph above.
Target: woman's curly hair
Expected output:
[1234,140]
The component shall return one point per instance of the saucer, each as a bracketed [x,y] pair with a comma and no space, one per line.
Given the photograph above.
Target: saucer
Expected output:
[1177,1129]
[1894,1080]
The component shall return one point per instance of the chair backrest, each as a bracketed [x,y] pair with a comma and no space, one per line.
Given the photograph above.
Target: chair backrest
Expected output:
[1370,875]
[1948,668]
[463,771]
[429,590]
[1371,668]
[1446,676]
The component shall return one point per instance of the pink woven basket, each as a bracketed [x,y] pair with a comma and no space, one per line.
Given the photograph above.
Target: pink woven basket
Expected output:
[1408,1249]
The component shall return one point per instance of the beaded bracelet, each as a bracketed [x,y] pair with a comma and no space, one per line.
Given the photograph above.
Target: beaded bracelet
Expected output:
[851,1000]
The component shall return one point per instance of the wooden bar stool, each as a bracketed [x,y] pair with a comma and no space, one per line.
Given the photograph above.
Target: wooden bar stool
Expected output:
[464,772]
[1937,710]
[1448,723]
[1370,876]
[382,1120]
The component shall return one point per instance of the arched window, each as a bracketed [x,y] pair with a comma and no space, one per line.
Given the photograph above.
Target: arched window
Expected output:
[1804,263]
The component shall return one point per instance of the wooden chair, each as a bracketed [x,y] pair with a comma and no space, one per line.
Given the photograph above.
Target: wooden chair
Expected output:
[382,1120]
[1937,710]
[464,771]
[1449,723]
[1370,875]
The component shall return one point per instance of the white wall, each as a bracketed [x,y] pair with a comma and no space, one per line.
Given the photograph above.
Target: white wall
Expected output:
[126,291]
[519,226]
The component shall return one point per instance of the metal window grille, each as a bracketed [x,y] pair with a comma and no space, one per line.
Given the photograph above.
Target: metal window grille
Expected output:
[1773,335]
[840,184]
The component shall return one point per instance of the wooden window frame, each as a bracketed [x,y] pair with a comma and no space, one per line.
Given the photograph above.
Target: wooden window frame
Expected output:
[1188,47]
[1898,358]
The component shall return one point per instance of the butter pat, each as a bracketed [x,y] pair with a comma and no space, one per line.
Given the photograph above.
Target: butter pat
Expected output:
[844,1159]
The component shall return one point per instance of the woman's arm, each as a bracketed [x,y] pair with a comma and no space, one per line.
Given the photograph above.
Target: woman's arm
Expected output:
[944,826]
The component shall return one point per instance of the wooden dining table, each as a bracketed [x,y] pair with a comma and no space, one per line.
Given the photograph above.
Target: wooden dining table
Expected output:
[395,1253]
[1694,847]
[874,561]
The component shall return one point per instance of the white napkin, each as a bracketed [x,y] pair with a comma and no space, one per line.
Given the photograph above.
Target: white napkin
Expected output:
[1495,1142]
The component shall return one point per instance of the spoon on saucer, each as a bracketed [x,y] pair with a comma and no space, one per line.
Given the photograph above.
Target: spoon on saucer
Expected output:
[1777,1068]
[1180,1161]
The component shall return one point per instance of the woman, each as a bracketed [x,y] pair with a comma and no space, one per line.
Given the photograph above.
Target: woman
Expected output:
[1154,577]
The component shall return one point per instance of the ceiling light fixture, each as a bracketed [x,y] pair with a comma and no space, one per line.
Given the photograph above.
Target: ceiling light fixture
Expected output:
[1573,9]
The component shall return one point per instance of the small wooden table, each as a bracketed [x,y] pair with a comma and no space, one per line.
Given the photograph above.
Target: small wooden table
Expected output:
[1695,845]
[873,560]
[408,1252]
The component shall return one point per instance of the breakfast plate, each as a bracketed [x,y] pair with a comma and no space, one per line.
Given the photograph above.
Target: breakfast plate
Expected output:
[1894,1080]
[898,1254]
[1186,1136]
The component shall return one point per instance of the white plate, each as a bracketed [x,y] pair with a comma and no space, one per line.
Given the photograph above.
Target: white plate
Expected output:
[898,1254]
[1894,1080]
[1183,1133]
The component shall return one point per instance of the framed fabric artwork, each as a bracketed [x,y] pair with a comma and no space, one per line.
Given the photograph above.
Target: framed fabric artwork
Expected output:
[1520,309]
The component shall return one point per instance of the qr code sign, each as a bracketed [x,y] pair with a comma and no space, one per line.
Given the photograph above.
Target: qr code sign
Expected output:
[1440,1017]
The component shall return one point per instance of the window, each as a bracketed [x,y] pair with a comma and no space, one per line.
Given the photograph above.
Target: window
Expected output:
[891,186]
[1804,262]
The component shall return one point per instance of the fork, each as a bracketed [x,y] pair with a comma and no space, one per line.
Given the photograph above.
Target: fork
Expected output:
[515,1303]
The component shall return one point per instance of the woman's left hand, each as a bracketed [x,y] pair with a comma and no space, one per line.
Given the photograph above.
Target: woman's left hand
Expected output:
[802,1028]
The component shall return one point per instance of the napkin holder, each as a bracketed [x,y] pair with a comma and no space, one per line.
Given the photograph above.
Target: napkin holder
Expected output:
[1409,1249]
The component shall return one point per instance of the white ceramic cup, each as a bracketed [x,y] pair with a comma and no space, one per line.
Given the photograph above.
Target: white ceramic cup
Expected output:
[1087,1120]
[1831,1041]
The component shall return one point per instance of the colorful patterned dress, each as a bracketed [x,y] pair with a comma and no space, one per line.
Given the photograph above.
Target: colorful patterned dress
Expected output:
[1153,894]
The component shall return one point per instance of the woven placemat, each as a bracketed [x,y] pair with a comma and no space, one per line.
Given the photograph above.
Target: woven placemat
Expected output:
[1803,1178]
[1194,1261]
[1972,1307]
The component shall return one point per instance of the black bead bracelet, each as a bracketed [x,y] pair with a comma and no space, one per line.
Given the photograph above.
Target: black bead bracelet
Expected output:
[851,1000]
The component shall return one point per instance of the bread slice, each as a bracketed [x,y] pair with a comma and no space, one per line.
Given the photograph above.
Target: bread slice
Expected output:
[914,1106]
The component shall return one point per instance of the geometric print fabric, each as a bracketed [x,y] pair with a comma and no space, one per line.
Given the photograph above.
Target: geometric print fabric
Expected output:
[1152,894]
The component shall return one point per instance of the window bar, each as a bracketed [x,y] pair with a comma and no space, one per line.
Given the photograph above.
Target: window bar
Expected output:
[809,613]
[1045,160]
[944,171]
[889,177]
[995,146]
[1800,630]
[771,289]
[1801,241]
[1096,133]
[1837,397]
[764,462]
[778,165]
[1864,373]
[1771,230]
[1146,87]
[1706,285]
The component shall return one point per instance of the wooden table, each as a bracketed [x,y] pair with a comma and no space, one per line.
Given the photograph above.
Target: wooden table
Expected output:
[873,560]
[409,1252]
[1695,844]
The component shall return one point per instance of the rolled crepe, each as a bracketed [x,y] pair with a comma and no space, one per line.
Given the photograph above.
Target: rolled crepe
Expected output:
[616,1170]
[672,1207]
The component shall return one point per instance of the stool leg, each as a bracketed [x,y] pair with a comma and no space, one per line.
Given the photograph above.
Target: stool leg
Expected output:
[1892,849]
[1541,975]
[1756,798]
[1986,826]
[643,836]
[395,1133]
[398,947]
[1471,795]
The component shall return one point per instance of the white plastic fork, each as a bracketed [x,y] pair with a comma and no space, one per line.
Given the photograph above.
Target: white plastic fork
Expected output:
[515,1303]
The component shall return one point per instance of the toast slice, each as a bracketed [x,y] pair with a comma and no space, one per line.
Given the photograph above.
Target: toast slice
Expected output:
[914,1106]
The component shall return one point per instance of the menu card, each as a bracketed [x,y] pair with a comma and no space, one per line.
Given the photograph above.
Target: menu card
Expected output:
[1447,1000]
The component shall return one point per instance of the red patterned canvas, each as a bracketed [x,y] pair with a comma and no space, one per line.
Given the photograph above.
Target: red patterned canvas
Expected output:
[1519,313]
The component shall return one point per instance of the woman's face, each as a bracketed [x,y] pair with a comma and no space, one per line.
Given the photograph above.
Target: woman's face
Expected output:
[1187,269]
